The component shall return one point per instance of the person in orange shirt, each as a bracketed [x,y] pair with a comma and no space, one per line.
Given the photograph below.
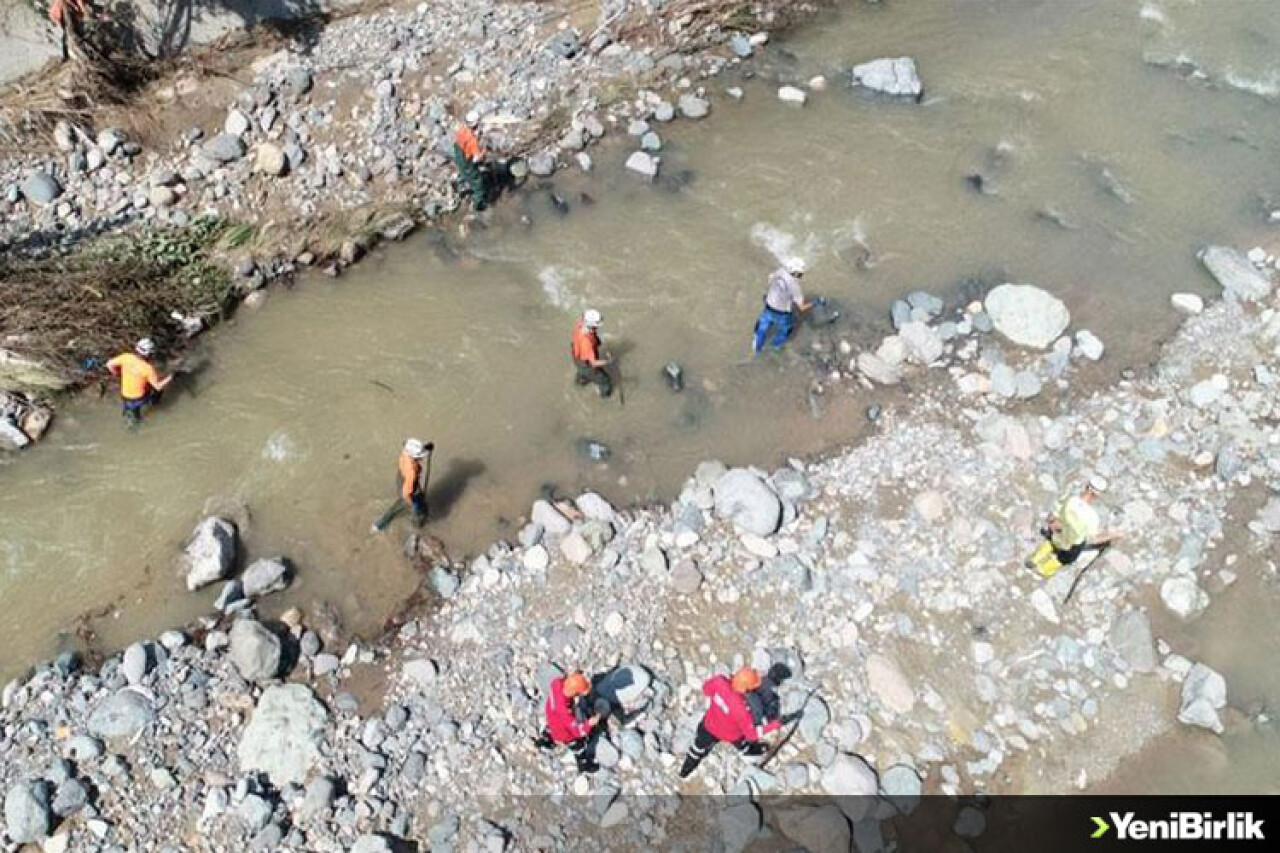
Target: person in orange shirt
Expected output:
[588,357]
[139,380]
[412,484]
[468,156]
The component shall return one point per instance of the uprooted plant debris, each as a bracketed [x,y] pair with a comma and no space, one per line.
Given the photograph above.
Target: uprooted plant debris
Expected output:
[74,311]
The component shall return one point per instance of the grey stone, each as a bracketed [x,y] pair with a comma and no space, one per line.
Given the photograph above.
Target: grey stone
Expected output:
[254,811]
[814,721]
[224,148]
[643,164]
[1026,385]
[41,188]
[1183,596]
[902,785]
[739,824]
[551,519]
[284,735]
[971,822]
[691,106]
[1090,346]
[444,582]
[741,46]
[123,714]
[664,112]
[1130,638]
[324,664]
[232,591]
[896,76]
[746,500]
[83,748]
[850,776]
[26,813]
[878,370]
[318,801]
[135,663]
[71,798]
[265,576]
[922,343]
[209,552]
[255,651]
[1237,275]
[1204,693]
[817,828]
[651,142]
[1228,463]
[541,164]
[1027,315]
[686,577]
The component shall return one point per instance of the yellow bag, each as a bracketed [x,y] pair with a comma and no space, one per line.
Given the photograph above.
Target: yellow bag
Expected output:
[1045,561]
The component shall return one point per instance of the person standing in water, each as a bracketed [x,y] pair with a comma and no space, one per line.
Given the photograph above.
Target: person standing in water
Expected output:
[783,302]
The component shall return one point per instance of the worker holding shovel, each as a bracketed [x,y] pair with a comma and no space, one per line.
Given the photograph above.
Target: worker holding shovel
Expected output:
[413,479]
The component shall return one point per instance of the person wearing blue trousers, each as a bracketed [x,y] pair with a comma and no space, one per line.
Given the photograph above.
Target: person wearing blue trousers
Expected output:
[783,301]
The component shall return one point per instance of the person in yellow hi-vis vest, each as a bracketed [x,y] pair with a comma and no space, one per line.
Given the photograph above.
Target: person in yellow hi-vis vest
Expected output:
[1072,528]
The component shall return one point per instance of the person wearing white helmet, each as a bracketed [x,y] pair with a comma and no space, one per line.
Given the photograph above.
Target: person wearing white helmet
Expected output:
[783,301]
[589,358]
[411,484]
[469,157]
[140,382]
[1072,528]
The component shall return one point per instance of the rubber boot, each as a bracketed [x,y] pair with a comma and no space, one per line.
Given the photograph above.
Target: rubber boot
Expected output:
[691,763]
[544,741]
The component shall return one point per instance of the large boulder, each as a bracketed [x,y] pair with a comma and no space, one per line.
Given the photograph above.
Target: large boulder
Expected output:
[1130,637]
[1204,693]
[821,829]
[1027,315]
[41,188]
[123,714]
[255,651]
[264,577]
[27,817]
[209,553]
[854,782]
[1237,275]
[1183,596]
[739,825]
[897,76]
[878,370]
[745,499]
[225,148]
[284,735]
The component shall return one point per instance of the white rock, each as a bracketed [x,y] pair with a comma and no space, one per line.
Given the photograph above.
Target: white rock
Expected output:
[209,552]
[792,95]
[643,164]
[575,548]
[930,505]
[1090,346]
[1027,315]
[551,519]
[1187,303]
[614,624]
[758,546]
[745,499]
[1044,605]
[237,123]
[1183,596]
[923,344]
[536,558]
[592,505]
[891,76]
[1235,273]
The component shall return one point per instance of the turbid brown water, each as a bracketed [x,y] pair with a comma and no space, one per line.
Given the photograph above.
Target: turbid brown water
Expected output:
[1054,145]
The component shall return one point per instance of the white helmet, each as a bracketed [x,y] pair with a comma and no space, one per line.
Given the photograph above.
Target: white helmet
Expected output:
[473,118]
[1098,484]
[591,318]
[796,266]
[145,347]
[415,448]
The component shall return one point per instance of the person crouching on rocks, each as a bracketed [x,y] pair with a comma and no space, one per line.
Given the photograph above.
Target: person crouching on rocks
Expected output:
[1072,528]
[741,711]
[572,720]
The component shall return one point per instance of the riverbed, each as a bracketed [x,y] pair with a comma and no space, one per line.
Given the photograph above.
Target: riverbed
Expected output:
[1030,158]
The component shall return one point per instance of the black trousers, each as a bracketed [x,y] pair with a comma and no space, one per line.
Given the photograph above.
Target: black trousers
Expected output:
[598,375]
[583,749]
[704,741]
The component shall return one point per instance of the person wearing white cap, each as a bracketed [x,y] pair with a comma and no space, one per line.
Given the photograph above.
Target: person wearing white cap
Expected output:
[782,302]
[140,383]
[589,358]
[411,484]
[1072,528]
[469,156]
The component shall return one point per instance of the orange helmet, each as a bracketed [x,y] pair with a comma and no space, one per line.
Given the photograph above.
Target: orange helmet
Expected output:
[576,684]
[746,680]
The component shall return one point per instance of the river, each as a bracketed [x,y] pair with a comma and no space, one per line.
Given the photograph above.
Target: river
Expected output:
[1104,162]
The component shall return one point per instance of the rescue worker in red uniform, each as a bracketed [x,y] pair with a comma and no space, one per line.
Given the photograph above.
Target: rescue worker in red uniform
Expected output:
[741,711]
[572,720]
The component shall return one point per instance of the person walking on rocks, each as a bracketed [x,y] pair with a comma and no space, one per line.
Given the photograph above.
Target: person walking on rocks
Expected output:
[573,719]
[469,156]
[741,711]
[783,301]
[588,357]
[1072,528]
[140,382]
[412,483]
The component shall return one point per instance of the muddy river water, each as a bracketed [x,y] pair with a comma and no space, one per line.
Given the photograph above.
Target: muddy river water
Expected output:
[1088,147]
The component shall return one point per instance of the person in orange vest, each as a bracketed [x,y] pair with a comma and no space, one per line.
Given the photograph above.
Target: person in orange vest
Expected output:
[588,356]
[469,156]
[573,719]
[139,380]
[412,486]
[741,711]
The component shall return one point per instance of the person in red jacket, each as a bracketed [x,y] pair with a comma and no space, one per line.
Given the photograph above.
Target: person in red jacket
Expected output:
[568,706]
[732,717]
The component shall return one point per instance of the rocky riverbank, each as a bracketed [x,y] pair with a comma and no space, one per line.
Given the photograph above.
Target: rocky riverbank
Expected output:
[887,577]
[317,150]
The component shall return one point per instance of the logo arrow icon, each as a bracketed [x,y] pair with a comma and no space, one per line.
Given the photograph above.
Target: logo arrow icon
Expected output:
[1102,825]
